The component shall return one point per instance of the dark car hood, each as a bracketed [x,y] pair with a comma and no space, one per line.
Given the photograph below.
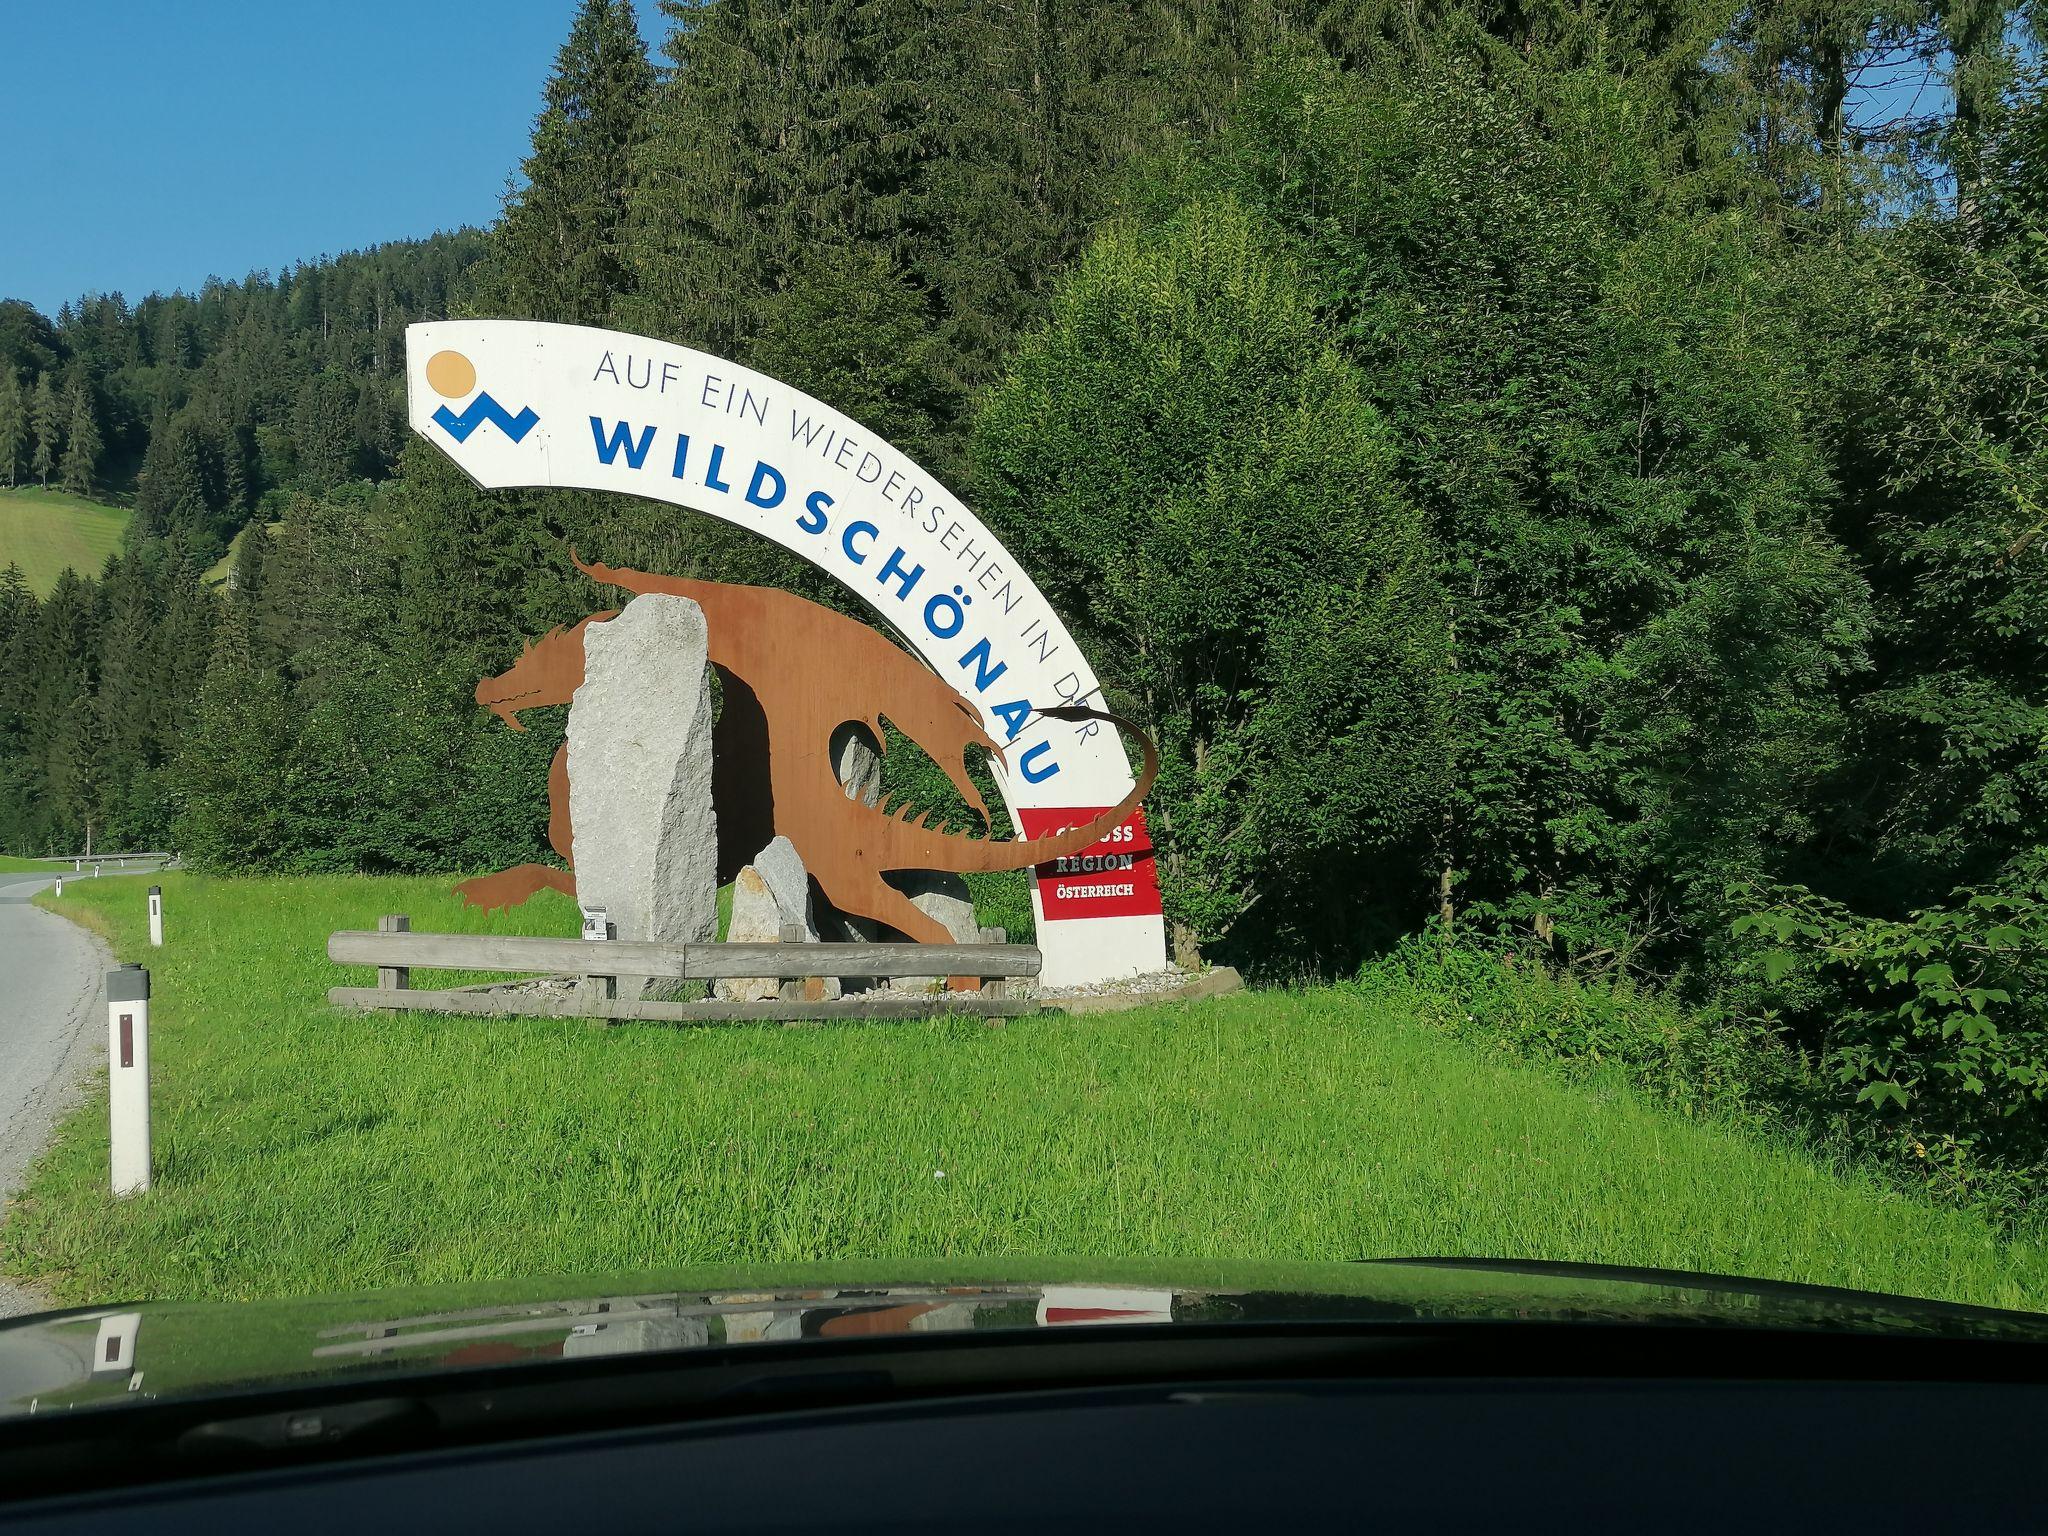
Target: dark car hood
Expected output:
[103,1356]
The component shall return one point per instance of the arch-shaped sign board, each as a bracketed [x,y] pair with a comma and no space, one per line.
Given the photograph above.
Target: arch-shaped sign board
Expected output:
[520,403]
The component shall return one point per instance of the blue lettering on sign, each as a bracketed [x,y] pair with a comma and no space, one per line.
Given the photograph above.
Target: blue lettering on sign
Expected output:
[906,581]
[979,657]
[480,410]
[1040,775]
[814,506]
[763,473]
[608,450]
[1014,715]
[944,613]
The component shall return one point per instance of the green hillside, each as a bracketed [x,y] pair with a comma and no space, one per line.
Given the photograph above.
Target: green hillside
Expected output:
[49,532]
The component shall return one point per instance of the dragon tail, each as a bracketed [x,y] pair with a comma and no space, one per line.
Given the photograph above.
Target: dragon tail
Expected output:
[962,855]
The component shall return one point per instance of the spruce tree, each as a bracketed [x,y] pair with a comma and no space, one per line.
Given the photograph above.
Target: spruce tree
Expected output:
[324,431]
[970,156]
[13,425]
[82,451]
[45,429]
[233,766]
[18,782]
[171,498]
[561,248]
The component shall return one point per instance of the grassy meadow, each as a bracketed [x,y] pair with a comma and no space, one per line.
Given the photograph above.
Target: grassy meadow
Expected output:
[48,532]
[301,1150]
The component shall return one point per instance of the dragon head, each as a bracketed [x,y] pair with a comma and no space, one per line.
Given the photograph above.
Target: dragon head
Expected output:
[547,672]
[945,725]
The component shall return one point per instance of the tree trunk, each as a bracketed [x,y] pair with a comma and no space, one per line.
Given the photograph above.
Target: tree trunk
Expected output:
[1831,95]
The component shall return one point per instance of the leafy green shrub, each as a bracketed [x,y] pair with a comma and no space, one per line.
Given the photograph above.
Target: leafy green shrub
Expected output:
[1195,476]
[1932,1028]
[1700,1063]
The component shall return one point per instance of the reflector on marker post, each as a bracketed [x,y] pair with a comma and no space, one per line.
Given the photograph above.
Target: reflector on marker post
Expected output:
[156,916]
[128,1077]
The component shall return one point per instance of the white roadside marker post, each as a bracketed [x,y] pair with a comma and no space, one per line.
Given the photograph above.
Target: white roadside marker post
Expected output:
[128,1077]
[60,885]
[156,916]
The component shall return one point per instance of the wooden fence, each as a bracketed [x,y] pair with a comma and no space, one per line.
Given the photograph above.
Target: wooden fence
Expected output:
[597,968]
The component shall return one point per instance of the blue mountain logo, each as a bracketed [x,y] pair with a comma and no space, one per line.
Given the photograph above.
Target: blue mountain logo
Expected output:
[480,410]
[451,376]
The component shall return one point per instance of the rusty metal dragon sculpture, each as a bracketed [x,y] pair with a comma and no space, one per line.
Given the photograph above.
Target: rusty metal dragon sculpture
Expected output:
[790,671]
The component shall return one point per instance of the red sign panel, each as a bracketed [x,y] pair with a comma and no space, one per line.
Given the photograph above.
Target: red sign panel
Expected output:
[1112,878]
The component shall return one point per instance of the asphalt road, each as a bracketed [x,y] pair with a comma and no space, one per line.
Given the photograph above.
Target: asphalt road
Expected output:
[52,1034]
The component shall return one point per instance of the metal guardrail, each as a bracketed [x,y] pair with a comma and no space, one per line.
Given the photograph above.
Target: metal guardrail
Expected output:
[77,859]
[95,859]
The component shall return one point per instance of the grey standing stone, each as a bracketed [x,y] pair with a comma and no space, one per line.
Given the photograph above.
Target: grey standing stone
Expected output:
[942,895]
[768,895]
[857,761]
[646,839]
[788,883]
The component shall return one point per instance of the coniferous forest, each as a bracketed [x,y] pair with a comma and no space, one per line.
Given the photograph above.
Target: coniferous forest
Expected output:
[1565,486]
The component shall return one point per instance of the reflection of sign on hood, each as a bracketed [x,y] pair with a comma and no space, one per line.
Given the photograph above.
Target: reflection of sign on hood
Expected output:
[1060,1305]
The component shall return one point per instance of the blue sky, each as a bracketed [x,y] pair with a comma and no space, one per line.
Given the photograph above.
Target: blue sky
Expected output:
[149,144]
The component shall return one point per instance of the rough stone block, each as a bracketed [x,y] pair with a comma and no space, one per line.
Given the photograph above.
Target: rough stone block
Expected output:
[941,895]
[646,836]
[857,761]
[769,895]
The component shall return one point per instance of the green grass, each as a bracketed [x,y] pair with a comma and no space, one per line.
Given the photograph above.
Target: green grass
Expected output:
[48,532]
[218,572]
[302,1151]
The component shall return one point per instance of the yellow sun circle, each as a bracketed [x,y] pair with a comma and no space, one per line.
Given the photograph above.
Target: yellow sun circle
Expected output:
[451,374]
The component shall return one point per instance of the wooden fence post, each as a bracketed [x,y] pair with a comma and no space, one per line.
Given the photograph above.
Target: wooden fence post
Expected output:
[792,988]
[995,986]
[394,978]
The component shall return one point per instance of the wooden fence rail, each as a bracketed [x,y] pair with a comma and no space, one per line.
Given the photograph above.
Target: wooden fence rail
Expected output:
[396,952]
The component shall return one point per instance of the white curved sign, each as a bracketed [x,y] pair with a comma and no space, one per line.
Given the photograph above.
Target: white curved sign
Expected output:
[520,403]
